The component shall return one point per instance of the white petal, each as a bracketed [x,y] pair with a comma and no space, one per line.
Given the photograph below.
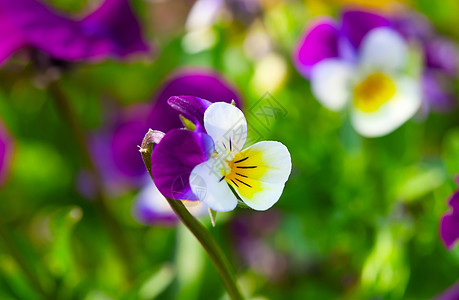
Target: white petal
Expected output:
[393,113]
[330,81]
[266,198]
[261,187]
[227,126]
[383,49]
[206,184]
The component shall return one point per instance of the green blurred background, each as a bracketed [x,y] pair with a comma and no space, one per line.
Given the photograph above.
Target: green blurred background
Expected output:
[358,218]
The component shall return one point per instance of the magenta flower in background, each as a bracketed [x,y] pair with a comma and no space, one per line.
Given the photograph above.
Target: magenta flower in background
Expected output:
[6,153]
[449,223]
[112,30]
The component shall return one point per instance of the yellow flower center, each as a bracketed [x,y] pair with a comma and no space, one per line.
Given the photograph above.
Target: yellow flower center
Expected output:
[373,92]
[246,169]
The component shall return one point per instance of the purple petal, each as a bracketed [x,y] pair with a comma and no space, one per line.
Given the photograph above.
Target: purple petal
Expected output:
[449,229]
[68,39]
[454,201]
[125,152]
[443,54]
[53,33]
[200,83]
[11,38]
[356,24]
[449,223]
[413,25]
[115,150]
[6,153]
[438,91]
[115,20]
[191,107]
[174,158]
[320,41]
[452,293]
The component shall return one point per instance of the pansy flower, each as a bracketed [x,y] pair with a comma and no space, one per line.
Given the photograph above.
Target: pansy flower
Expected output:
[114,147]
[360,65]
[210,163]
[112,30]
[449,223]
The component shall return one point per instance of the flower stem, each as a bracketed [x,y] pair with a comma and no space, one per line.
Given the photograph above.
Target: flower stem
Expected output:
[214,251]
[113,228]
[209,244]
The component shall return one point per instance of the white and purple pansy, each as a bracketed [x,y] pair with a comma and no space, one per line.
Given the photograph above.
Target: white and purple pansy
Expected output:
[121,167]
[360,65]
[210,163]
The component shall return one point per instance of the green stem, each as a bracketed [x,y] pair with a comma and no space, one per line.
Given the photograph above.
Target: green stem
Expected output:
[15,253]
[113,228]
[209,244]
[214,251]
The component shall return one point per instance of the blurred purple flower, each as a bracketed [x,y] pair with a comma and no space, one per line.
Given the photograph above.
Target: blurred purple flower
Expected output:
[441,56]
[438,90]
[112,30]
[357,65]
[452,293]
[6,153]
[327,39]
[449,223]
[251,233]
[193,82]
[151,207]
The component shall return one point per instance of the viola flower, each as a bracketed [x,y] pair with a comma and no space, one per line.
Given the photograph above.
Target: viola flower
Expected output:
[360,66]
[210,164]
[119,163]
[6,153]
[112,30]
[449,223]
